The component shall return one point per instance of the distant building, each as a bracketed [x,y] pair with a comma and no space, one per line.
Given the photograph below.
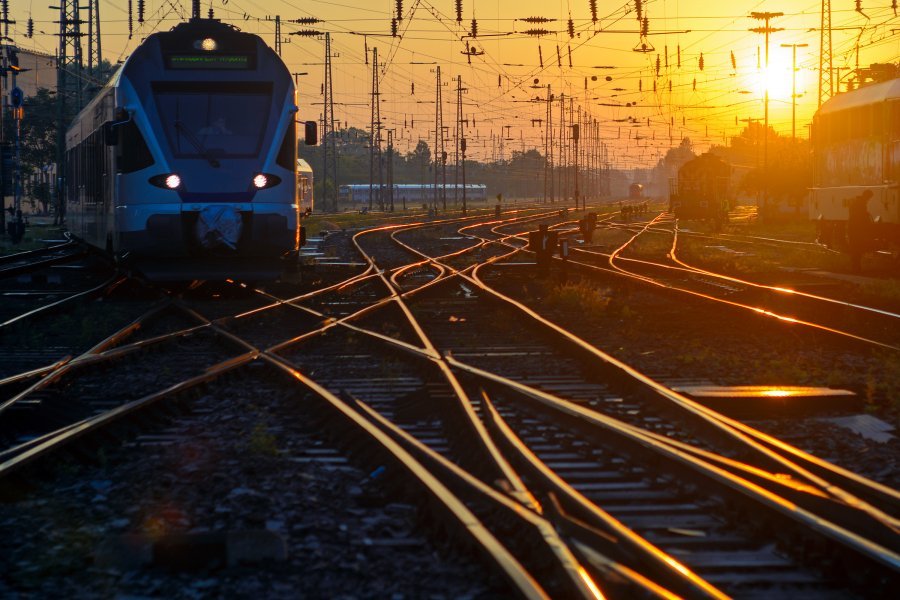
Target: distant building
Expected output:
[38,71]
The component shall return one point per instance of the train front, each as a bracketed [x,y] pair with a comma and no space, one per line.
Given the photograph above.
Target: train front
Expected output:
[206,181]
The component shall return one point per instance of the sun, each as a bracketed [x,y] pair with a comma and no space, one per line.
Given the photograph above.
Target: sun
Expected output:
[777,77]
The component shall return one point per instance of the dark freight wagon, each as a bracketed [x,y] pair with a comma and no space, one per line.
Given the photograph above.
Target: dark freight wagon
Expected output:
[701,190]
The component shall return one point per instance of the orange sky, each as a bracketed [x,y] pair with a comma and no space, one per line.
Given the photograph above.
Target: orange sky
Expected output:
[500,81]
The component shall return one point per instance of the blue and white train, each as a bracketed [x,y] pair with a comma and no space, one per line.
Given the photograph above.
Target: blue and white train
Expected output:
[185,164]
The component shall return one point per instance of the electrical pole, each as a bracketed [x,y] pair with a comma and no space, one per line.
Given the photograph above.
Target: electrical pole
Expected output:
[563,179]
[459,137]
[766,16]
[68,63]
[375,134]
[826,74]
[278,35]
[95,55]
[575,135]
[390,168]
[439,154]
[794,87]
[548,149]
[329,149]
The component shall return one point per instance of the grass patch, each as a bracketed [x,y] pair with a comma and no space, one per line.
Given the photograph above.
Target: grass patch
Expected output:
[32,239]
[887,290]
[579,297]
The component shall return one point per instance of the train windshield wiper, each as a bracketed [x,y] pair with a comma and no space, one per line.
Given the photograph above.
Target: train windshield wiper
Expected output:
[180,127]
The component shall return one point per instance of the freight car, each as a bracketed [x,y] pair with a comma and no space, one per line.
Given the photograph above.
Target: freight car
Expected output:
[856,149]
[184,165]
[635,191]
[701,191]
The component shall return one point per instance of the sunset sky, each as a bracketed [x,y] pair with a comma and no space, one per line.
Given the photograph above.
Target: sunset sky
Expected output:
[501,82]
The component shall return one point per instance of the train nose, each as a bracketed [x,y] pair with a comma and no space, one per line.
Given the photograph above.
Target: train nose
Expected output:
[218,226]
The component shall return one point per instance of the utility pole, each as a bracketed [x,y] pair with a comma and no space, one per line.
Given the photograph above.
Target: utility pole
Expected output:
[278,35]
[439,154]
[766,16]
[548,149]
[95,54]
[794,87]
[329,149]
[575,135]
[459,137]
[68,63]
[826,73]
[563,179]
[375,134]
[390,168]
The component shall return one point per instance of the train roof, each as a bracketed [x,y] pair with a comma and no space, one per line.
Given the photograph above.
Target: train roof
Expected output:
[869,94]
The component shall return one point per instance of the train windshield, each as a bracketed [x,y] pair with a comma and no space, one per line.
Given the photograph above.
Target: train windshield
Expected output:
[211,121]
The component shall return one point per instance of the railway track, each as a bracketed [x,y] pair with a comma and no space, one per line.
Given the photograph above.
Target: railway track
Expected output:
[589,478]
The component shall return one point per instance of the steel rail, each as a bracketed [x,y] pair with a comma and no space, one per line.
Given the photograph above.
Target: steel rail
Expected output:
[710,417]
[112,282]
[92,425]
[809,520]
[665,569]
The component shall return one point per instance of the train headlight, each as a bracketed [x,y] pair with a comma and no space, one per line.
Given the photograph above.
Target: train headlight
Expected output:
[207,44]
[262,181]
[169,181]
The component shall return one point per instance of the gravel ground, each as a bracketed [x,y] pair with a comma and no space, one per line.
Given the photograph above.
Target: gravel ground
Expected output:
[244,458]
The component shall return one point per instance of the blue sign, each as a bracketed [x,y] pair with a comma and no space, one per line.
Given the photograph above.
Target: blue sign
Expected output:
[16,96]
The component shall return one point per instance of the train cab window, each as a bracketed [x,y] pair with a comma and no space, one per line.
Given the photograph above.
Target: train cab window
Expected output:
[134,154]
[287,154]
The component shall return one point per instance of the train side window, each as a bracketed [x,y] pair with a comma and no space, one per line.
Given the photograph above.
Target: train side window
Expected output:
[134,154]
[287,154]
[895,120]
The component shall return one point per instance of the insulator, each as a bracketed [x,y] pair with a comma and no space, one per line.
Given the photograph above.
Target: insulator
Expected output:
[537,20]
[394,27]
[305,21]
[639,7]
[657,65]
[30,33]
[679,56]
[640,85]
[307,33]
[654,85]
[141,11]
[858,5]
[536,32]
[700,61]
[645,26]
[399,10]
[695,89]
[733,62]
[459,11]
[571,28]
[593,4]
[321,89]
[670,86]
[412,88]
[130,22]
[474,28]
[212,14]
